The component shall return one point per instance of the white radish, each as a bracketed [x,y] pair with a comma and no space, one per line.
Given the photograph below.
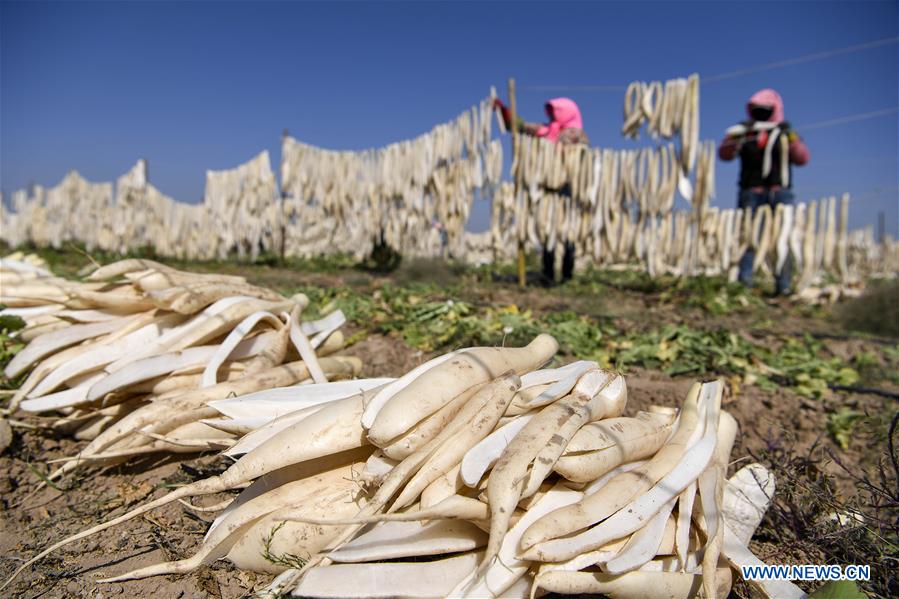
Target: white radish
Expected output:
[603,445]
[608,394]
[445,486]
[424,580]
[738,555]
[684,520]
[62,399]
[231,342]
[711,494]
[392,540]
[643,544]
[321,396]
[507,568]
[563,380]
[440,384]
[430,427]
[484,455]
[101,354]
[631,517]
[330,485]
[273,403]
[45,345]
[379,400]
[378,465]
[304,347]
[149,368]
[497,394]
[622,489]
[509,477]
[646,585]
[747,495]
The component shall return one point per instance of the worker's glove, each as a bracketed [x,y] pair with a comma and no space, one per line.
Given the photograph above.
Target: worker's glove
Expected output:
[504,111]
[734,142]
[787,129]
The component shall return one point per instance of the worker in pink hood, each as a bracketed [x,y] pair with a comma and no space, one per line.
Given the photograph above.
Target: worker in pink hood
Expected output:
[767,147]
[565,126]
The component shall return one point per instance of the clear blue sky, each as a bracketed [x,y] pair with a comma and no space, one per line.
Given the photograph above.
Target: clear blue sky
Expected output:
[197,85]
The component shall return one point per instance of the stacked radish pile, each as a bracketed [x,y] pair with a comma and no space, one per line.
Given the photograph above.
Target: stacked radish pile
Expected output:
[478,474]
[129,360]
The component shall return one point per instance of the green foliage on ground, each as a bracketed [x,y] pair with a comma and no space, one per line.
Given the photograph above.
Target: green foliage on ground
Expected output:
[447,312]
[714,295]
[431,319]
[838,589]
[841,423]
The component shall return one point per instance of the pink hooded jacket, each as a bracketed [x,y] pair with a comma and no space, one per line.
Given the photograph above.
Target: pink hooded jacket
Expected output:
[767,97]
[799,153]
[563,114]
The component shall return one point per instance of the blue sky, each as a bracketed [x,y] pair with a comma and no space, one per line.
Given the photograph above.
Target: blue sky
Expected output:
[197,85]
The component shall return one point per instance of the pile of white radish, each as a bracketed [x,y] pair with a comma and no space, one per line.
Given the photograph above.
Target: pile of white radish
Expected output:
[478,474]
[129,359]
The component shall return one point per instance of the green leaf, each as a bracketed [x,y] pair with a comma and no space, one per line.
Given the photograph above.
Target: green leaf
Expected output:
[840,425]
[10,323]
[838,589]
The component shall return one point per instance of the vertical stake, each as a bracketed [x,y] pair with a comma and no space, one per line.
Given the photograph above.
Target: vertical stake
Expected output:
[513,114]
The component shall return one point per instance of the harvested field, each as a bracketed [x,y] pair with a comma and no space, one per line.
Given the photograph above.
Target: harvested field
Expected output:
[783,363]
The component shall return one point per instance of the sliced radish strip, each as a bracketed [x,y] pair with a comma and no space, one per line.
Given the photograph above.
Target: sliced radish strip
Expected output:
[643,544]
[563,385]
[172,335]
[61,399]
[747,495]
[484,454]
[48,344]
[684,519]
[272,403]
[738,555]
[307,353]
[550,375]
[414,580]
[507,568]
[209,377]
[148,368]
[32,312]
[97,357]
[392,540]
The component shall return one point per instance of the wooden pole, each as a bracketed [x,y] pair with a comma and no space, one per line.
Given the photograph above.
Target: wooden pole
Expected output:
[881,226]
[513,117]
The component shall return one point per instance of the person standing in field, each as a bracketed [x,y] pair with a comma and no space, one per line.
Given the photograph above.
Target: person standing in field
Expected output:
[767,147]
[565,126]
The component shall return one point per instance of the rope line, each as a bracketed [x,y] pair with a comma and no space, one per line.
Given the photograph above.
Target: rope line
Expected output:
[850,118]
[724,76]
[802,59]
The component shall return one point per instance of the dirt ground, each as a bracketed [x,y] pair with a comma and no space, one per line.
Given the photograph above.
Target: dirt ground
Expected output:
[30,521]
